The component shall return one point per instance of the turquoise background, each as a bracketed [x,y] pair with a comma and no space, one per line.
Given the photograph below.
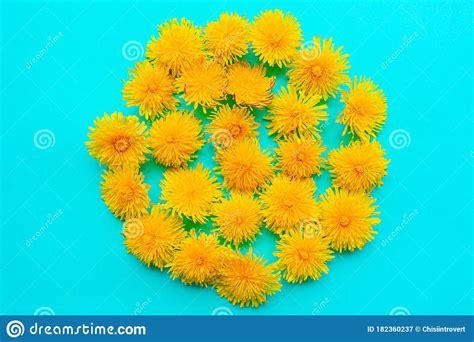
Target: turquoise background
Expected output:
[420,52]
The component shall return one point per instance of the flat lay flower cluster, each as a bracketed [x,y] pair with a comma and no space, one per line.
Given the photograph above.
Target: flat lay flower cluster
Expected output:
[188,69]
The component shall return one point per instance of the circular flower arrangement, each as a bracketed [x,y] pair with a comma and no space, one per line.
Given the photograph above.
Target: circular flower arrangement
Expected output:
[251,189]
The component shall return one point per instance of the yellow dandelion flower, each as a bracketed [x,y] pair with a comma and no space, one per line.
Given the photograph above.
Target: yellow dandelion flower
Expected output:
[365,108]
[348,219]
[179,45]
[244,166]
[247,280]
[190,192]
[249,86]
[153,238]
[300,157]
[291,112]
[151,88]
[238,219]
[302,257]
[358,167]
[288,203]
[198,259]
[202,83]
[230,124]
[124,192]
[175,138]
[226,39]
[320,69]
[118,140]
[275,37]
